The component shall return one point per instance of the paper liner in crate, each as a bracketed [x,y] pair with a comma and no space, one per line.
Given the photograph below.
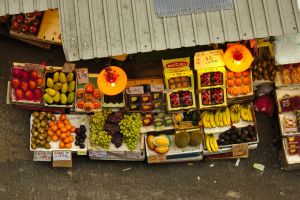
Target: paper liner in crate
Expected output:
[27,83]
[75,120]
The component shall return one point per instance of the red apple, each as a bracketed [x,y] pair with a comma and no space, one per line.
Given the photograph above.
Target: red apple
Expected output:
[25,28]
[37,94]
[33,75]
[17,72]
[19,94]
[40,82]
[20,18]
[24,75]
[15,83]
[29,95]
[24,86]
[32,84]
[15,25]
[36,22]
[33,29]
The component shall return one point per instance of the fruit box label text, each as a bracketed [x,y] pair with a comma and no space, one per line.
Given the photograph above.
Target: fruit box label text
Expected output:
[42,156]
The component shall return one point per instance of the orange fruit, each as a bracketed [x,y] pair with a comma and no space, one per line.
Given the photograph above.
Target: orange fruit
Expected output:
[245,73]
[246,80]
[230,83]
[63,117]
[54,138]
[51,123]
[245,89]
[58,121]
[58,132]
[62,136]
[53,128]
[229,90]
[68,145]
[67,121]
[73,129]
[60,125]
[63,129]
[50,133]
[238,81]
[66,140]
[61,145]
[71,138]
[230,75]
[237,74]
[236,91]
[68,133]
[68,127]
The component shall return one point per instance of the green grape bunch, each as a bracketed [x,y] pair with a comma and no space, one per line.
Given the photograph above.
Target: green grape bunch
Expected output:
[98,136]
[130,127]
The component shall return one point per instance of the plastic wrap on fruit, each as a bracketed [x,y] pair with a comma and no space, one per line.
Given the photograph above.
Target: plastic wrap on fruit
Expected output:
[146,107]
[146,98]
[174,98]
[217,78]
[205,79]
[186,98]
[157,95]
[156,105]
[290,103]
[217,96]
[205,96]
[264,104]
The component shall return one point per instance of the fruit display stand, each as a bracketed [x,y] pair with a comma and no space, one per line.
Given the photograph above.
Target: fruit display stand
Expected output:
[163,146]
[210,69]
[179,82]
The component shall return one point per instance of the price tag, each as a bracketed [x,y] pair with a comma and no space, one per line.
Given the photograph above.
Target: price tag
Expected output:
[44,156]
[240,150]
[62,155]
[135,90]
[82,76]
[81,152]
[158,158]
[157,87]
[68,67]
[98,154]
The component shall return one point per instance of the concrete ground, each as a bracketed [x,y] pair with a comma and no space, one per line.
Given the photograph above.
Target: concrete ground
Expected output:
[21,178]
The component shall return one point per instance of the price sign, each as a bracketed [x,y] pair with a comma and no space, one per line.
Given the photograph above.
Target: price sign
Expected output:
[98,154]
[44,156]
[135,90]
[157,87]
[207,59]
[82,76]
[81,152]
[158,158]
[68,67]
[240,150]
[62,155]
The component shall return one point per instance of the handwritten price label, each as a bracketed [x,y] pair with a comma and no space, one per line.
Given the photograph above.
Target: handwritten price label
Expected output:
[44,156]
[240,150]
[62,155]
[209,59]
[135,90]
[98,154]
[157,87]
[158,158]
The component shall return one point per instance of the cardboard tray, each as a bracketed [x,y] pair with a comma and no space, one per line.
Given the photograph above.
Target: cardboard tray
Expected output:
[76,120]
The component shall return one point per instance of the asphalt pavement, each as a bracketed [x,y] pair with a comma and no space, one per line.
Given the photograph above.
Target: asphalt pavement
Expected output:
[21,178]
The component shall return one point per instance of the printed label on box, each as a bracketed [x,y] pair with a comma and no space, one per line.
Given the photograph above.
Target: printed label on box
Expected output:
[62,155]
[42,156]
[98,154]
[157,87]
[82,76]
[239,150]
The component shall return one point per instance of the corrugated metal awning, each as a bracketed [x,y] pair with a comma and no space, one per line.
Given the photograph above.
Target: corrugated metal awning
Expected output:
[12,7]
[102,28]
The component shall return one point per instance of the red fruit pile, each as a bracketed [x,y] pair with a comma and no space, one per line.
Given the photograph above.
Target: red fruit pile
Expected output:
[27,84]
[26,23]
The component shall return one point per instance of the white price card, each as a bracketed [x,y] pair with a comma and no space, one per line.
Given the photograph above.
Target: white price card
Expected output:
[135,90]
[98,154]
[82,152]
[62,155]
[157,87]
[44,156]
[240,150]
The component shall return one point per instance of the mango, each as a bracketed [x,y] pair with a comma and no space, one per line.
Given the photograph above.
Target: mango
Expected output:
[71,97]
[64,88]
[70,77]
[150,142]
[62,77]
[48,99]
[56,98]
[50,82]
[50,91]
[71,86]
[56,77]
[161,140]
[161,150]
[57,86]
[63,99]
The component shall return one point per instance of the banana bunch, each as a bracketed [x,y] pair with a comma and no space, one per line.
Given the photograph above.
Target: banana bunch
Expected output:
[235,113]
[208,120]
[211,143]
[222,117]
[246,113]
